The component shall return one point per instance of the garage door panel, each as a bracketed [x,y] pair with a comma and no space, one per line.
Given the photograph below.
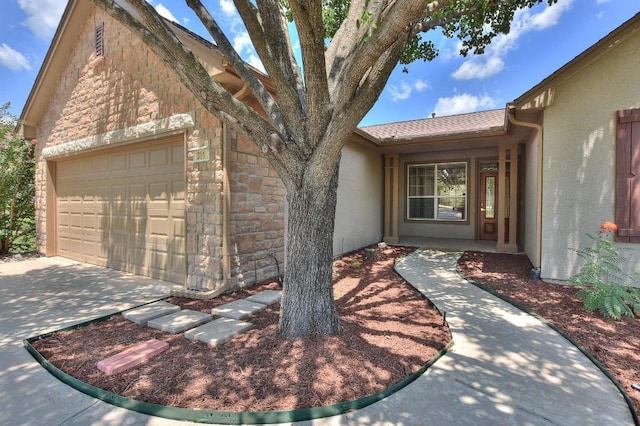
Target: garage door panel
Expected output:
[159,157]
[137,160]
[125,209]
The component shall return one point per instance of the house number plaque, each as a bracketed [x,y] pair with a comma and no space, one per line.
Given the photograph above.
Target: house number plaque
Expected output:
[200,155]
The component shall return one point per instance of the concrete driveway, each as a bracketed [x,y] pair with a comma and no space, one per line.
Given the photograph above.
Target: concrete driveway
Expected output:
[45,294]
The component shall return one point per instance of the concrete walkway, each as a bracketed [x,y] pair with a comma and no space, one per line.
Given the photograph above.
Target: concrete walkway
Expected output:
[506,368]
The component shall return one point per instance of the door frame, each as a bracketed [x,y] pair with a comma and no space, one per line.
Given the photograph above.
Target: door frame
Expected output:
[482,234]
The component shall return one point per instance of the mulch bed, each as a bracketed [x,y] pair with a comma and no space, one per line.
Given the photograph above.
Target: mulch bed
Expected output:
[388,332]
[615,344]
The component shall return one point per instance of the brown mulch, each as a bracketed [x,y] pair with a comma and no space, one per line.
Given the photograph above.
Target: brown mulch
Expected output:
[615,344]
[389,331]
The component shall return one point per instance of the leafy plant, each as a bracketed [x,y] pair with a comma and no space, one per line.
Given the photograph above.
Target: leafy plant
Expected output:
[17,188]
[601,277]
[372,253]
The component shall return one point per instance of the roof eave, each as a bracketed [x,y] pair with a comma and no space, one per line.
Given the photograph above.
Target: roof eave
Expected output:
[494,131]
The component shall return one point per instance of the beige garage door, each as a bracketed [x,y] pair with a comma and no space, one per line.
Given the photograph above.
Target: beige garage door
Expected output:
[125,209]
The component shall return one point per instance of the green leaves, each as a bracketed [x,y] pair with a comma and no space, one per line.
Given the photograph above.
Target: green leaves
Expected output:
[601,277]
[17,188]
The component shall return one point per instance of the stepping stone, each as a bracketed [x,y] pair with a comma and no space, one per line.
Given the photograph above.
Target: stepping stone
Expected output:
[178,322]
[143,314]
[238,309]
[218,331]
[266,297]
[132,356]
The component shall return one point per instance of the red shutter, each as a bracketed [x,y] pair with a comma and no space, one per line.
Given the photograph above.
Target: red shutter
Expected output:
[628,176]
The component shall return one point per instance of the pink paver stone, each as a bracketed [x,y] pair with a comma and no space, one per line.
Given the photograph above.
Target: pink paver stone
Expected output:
[132,356]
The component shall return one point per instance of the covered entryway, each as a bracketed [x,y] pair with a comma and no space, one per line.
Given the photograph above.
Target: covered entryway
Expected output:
[124,208]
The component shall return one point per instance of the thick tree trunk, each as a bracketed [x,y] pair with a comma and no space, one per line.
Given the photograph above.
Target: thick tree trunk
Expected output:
[307,299]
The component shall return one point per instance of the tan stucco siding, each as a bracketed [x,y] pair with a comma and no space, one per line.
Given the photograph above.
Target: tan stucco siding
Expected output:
[360,199]
[579,155]
[434,229]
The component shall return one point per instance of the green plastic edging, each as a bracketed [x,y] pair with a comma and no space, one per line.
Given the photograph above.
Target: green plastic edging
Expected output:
[220,417]
[586,353]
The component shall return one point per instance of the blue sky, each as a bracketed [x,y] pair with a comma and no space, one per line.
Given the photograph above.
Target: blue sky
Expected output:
[542,39]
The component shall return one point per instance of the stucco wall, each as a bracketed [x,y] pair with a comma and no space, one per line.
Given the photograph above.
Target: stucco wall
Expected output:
[125,92]
[434,229]
[579,155]
[360,199]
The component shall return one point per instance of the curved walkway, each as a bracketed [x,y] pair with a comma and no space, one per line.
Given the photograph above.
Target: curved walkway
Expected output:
[506,367]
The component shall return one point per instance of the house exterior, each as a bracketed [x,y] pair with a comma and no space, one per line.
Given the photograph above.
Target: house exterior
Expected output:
[586,159]
[134,174]
[537,176]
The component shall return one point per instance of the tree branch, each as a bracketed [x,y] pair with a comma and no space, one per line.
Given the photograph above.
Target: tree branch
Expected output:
[239,66]
[307,15]
[275,51]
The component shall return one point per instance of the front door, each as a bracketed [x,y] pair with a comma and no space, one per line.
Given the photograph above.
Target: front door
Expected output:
[489,206]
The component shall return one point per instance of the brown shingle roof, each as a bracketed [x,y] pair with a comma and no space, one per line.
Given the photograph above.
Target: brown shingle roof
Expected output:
[474,122]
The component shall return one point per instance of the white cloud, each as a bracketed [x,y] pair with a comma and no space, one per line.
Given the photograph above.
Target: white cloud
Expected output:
[492,62]
[459,104]
[403,90]
[43,16]
[13,59]
[242,41]
[165,13]
[420,85]
[255,62]
[227,7]
[479,68]
[551,15]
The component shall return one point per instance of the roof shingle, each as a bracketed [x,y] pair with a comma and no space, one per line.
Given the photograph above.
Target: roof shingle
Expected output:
[473,122]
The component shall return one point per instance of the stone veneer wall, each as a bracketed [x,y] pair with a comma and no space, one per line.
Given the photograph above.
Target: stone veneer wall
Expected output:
[130,88]
[258,201]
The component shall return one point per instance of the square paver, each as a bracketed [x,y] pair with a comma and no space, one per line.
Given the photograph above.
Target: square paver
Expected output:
[266,297]
[218,331]
[145,313]
[238,309]
[178,322]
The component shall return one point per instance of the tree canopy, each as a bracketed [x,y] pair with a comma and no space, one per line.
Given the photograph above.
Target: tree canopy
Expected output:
[17,188]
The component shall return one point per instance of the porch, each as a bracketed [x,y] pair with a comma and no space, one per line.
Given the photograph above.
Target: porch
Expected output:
[449,244]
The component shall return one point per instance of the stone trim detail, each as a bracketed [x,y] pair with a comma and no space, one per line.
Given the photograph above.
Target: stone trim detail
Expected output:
[133,133]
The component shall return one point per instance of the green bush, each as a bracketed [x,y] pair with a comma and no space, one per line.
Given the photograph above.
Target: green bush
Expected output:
[601,277]
[17,188]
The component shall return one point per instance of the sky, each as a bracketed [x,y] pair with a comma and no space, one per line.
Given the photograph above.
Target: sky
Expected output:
[541,40]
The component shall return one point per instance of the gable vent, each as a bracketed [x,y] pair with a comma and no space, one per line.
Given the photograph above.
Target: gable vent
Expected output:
[99,39]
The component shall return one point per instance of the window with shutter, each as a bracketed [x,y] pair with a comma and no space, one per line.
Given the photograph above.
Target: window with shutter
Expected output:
[628,175]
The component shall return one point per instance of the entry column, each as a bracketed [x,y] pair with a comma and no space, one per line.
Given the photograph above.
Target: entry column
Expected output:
[391,187]
[508,199]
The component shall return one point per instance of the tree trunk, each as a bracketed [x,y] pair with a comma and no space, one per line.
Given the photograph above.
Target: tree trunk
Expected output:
[307,299]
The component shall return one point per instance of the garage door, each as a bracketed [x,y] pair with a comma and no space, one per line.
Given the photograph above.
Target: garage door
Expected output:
[125,209]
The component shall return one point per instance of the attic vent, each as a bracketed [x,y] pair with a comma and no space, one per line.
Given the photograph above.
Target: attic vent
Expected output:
[100,39]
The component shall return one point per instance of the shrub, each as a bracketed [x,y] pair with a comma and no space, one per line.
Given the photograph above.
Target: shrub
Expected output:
[601,277]
[17,188]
